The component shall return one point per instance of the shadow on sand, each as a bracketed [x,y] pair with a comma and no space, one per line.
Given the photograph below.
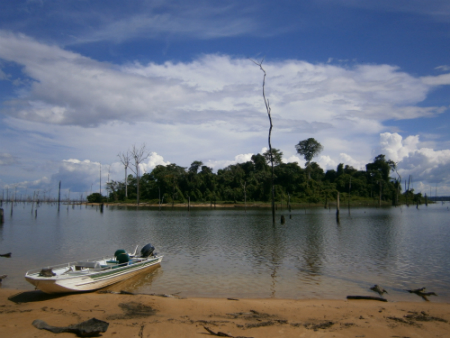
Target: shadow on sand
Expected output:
[33,296]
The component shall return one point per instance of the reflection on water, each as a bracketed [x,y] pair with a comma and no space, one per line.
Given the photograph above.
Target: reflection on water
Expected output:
[232,253]
[144,278]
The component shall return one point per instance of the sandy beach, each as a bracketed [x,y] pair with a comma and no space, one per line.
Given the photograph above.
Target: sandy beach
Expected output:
[143,315]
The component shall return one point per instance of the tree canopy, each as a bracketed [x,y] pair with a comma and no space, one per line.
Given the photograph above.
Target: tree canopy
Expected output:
[251,181]
[309,149]
[277,156]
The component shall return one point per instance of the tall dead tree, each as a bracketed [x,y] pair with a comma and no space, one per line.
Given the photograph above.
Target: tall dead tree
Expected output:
[139,155]
[125,159]
[267,104]
[59,195]
[100,179]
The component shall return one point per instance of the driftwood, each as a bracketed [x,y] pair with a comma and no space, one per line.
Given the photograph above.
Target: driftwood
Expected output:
[123,292]
[427,294]
[381,299]
[378,289]
[6,255]
[221,334]
[90,328]
[416,290]
[420,292]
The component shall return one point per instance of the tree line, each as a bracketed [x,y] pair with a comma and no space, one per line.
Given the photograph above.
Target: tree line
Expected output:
[251,182]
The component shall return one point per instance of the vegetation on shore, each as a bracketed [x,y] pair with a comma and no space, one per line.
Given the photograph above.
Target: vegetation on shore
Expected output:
[250,182]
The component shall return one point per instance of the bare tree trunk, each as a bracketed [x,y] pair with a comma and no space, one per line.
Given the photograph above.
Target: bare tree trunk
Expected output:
[139,155]
[59,195]
[137,183]
[289,202]
[349,197]
[337,208]
[125,159]
[100,179]
[267,104]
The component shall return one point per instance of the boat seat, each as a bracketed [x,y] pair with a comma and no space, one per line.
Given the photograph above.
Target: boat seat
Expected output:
[90,265]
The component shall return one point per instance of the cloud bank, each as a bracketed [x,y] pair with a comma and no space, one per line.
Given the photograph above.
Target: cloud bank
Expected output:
[422,163]
[207,109]
[69,89]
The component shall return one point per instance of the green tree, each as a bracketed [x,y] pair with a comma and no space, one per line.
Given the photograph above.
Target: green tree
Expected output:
[95,198]
[195,166]
[277,156]
[309,149]
[382,166]
[260,162]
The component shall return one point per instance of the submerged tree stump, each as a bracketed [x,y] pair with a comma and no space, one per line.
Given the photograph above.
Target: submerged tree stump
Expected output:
[337,208]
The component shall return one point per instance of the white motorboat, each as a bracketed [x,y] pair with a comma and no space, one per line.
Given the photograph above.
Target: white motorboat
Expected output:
[93,274]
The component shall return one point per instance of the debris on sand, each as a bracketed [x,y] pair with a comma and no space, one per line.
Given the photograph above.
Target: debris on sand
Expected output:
[133,309]
[381,299]
[413,317]
[90,328]
[378,289]
[222,334]
[421,292]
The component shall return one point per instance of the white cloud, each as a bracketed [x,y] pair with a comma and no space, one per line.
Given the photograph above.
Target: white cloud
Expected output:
[207,109]
[444,68]
[326,163]
[395,149]
[423,164]
[443,79]
[185,22]
[242,158]
[153,160]
[70,89]
[293,159]
[348,160]
[218,164]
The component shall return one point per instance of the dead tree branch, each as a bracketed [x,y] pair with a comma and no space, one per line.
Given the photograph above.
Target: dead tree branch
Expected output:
[268,109]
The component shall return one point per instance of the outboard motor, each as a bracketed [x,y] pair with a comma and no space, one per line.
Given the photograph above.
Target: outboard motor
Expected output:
[118,252]
[123,258]
[147,250]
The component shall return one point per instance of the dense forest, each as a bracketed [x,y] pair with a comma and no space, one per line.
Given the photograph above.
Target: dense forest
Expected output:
[251,182]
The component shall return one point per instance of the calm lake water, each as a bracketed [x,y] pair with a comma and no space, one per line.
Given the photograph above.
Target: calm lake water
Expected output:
[233,253]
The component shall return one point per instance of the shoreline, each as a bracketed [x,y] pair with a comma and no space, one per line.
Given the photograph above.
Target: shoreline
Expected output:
[146,315]
[260,205]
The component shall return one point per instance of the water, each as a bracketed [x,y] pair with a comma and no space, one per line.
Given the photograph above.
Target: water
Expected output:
[232,253]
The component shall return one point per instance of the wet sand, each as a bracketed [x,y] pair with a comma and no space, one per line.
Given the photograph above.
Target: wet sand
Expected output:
[158,316]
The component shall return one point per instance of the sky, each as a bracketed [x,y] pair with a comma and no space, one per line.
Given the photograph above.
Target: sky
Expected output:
[82,81]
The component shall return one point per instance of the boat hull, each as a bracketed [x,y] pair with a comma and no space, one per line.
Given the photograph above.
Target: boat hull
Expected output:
[89,281]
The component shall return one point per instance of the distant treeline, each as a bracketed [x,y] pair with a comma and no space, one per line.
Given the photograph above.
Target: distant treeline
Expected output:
[440,198]
[251,182]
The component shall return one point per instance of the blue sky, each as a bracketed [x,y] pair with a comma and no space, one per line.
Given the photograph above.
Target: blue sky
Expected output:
[81,81]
